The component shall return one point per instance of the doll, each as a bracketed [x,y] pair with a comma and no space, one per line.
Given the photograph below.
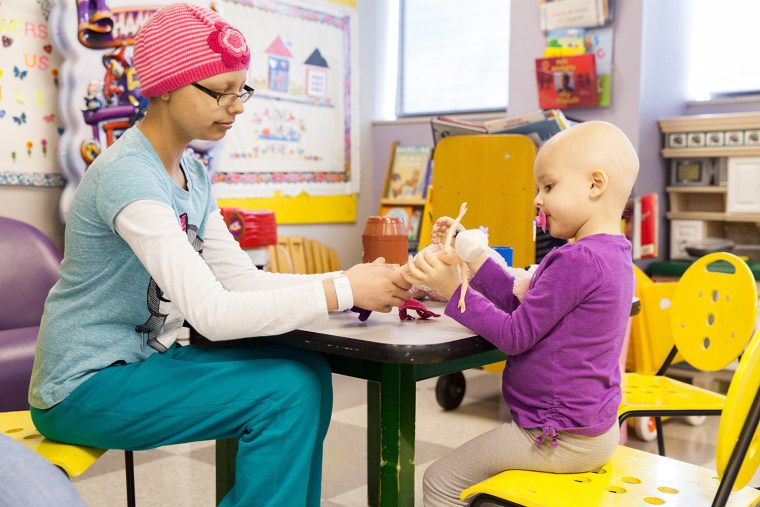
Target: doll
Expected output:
[468,244]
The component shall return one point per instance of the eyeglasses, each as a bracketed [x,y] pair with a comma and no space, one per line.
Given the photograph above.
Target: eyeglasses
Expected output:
[227,99]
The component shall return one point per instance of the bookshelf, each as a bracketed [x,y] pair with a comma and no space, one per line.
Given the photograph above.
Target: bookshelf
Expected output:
[410,207]
[729,207]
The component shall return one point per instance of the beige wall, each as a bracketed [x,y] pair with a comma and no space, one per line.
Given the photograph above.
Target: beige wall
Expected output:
[37,206]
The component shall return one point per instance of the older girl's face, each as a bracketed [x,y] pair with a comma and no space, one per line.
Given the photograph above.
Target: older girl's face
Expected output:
[198,116]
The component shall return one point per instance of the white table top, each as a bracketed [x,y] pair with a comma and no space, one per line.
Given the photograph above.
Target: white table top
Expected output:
[389,329]
[385,338]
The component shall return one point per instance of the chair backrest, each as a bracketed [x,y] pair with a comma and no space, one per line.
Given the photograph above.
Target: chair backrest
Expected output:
[29,264]
[737,455]
[651,338]
[499,178]
[296,254]
[714,311]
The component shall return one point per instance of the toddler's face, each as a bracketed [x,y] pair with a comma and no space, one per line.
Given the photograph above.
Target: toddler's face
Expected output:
[562,195]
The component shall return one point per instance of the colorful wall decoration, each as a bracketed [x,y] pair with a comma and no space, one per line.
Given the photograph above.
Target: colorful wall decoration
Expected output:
[29,80]
[298,133]
[299,130]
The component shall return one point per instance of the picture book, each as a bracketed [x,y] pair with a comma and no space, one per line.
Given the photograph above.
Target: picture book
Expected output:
[647,218]
[566,38]
[500,124]
[555,14]
[640,225]
[539,131]
[409,172]
[598,41]
[567,82]
[444,127]
[410,215]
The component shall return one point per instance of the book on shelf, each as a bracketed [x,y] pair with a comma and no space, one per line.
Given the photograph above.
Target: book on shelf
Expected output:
[640,225]
[408,177]
[567,82]
[443,126]
[599,42]
[555,14]
[498,125]
[539,131]
[409,214]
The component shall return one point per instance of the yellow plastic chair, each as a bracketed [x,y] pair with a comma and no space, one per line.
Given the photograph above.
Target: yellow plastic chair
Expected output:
[639,478]
[72,459]
[651,340]
[711,318]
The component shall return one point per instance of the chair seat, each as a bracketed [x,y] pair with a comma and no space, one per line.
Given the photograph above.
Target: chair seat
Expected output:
[667,396]
[631,477]
[74,459]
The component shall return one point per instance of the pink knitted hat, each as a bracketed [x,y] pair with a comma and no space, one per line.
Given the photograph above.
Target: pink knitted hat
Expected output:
[183,43]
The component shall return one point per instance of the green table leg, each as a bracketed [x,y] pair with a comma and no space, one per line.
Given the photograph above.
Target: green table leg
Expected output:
[390,446]
[226,452]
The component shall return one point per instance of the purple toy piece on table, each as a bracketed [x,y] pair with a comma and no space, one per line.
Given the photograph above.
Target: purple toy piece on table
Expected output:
[409,304]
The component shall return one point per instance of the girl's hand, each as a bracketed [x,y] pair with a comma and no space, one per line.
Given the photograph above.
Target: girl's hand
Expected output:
[377,286]
[430,270]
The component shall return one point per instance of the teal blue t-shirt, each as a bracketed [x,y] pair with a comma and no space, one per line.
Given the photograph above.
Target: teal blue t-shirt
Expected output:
[106,308]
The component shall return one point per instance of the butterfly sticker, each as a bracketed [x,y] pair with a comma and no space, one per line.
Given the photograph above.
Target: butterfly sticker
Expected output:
[20,119]
[48,118]
[21,74]
[7,41]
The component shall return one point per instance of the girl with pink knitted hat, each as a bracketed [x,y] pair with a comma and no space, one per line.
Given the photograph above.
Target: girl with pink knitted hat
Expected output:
[147,250]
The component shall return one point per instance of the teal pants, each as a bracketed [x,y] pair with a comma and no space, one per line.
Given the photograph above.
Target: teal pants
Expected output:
[277,400]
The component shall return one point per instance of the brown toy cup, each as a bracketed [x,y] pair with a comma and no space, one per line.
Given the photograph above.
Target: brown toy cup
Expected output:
[385,237]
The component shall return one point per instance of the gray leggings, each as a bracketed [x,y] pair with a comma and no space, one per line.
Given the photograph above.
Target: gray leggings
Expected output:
[510,447]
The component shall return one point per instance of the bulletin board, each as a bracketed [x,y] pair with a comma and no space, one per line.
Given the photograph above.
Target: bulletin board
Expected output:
[29,79]
[296,140]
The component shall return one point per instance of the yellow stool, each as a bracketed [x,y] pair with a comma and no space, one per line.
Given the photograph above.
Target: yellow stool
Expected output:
[72,459]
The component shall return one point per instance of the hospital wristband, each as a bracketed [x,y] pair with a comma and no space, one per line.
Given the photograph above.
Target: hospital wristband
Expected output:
[343,292]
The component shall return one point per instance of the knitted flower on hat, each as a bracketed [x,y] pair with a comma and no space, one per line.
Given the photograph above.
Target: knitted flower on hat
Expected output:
[227,40]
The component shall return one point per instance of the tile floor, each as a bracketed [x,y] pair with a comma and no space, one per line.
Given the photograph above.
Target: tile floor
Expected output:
[183,475]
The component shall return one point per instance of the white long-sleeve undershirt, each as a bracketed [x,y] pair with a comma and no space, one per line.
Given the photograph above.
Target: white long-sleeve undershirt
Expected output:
[220,292]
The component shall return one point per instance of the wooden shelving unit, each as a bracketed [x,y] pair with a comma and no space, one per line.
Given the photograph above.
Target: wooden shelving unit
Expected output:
[716,152]
[417,204]
[696,212]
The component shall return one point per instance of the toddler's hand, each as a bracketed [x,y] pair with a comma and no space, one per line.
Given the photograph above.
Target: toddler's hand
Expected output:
[434,270]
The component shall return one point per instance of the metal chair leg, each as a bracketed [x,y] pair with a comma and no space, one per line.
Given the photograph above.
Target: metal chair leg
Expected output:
[660,437]
[129,464]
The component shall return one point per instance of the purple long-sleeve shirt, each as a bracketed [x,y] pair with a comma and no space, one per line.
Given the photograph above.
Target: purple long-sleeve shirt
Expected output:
[564,339]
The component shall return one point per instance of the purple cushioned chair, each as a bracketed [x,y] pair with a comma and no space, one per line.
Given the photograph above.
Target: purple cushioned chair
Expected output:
[29,264]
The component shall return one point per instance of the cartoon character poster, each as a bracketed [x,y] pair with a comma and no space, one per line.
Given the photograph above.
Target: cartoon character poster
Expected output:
[296,132]
[29,80]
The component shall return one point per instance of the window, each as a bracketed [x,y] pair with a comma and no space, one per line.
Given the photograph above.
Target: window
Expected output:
[453,56]
[722,39]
